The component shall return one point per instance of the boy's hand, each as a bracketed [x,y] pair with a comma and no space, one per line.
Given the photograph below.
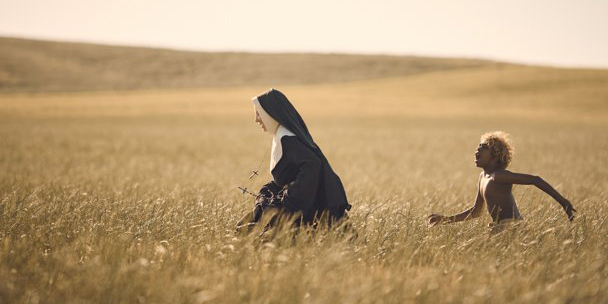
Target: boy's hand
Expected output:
[570,211]
[435,219]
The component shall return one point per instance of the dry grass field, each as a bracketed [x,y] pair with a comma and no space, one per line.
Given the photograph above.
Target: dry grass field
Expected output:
[130,197]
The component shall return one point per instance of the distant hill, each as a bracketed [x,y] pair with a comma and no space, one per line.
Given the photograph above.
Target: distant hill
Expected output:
[48,66]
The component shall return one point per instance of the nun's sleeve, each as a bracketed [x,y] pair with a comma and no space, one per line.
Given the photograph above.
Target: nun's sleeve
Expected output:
[302,191]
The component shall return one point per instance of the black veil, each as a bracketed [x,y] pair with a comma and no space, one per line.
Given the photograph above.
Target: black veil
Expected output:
[278,107]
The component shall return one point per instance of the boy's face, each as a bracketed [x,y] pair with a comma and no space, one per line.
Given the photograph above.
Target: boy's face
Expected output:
[483,155]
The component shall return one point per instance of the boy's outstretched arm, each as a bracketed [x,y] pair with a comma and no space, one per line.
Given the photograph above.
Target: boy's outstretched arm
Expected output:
[470,213]
[508,177]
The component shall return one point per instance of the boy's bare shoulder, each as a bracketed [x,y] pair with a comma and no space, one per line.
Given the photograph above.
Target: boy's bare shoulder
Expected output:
[504,176]
[501,172]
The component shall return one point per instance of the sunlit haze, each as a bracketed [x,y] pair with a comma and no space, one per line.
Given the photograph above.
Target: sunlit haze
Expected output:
[556,32]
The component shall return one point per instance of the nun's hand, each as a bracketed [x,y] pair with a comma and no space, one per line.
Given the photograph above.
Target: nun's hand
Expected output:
[435,219]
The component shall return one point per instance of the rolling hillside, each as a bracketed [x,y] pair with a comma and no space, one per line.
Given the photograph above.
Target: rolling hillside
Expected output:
[47,66]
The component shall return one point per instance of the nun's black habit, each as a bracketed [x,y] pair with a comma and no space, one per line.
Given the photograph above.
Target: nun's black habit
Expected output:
[303,180]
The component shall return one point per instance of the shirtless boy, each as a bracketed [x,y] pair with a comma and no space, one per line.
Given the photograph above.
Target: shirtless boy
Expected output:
[493,155]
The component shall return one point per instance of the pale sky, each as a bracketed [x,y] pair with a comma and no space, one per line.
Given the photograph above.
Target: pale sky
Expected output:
[551,32]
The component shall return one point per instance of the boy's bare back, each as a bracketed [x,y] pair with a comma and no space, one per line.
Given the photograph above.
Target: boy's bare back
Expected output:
[498,197]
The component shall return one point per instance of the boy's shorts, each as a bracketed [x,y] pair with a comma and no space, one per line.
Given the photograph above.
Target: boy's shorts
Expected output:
[497,227]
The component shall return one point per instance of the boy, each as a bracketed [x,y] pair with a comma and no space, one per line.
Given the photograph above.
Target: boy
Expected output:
[493,155]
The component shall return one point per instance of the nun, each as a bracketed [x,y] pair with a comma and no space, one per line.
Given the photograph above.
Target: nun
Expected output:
[305,189]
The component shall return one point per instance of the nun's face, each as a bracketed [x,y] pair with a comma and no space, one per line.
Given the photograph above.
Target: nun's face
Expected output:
[258,119]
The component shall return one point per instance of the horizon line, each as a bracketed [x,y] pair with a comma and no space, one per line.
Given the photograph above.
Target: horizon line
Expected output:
[295,52]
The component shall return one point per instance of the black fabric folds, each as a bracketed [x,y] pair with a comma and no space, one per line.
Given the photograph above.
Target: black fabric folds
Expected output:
[332,196]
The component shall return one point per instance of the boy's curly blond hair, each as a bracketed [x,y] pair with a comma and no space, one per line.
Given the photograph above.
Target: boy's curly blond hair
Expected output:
[500,146]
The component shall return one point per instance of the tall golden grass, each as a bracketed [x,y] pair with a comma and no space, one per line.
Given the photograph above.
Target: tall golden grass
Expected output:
[131,197]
